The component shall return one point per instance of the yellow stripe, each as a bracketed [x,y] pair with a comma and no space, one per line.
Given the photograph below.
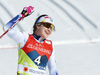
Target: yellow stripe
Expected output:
[23,73]
[3,28]
[19,46]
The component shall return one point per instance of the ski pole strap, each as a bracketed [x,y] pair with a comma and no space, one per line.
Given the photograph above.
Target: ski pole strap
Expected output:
[27,11]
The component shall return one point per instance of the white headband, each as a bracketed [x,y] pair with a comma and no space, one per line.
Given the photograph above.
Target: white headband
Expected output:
[45,19]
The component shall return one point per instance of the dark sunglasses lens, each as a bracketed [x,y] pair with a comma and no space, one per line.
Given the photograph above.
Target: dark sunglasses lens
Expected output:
[48,25]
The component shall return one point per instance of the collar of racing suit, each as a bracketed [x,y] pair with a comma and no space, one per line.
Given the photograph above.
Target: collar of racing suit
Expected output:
[37,37]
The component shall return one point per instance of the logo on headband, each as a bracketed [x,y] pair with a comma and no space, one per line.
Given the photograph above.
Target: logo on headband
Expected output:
[51,19]
[43,21]
[48,18]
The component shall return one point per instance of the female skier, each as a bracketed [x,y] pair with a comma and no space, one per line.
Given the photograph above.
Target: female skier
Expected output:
[35,51]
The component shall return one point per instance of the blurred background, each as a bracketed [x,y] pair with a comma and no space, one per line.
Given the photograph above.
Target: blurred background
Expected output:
[76,39]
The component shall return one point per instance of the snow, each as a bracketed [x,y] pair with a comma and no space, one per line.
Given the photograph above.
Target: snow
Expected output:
[76,39]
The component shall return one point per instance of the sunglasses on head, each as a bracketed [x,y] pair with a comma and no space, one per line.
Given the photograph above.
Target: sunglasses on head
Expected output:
[48,25]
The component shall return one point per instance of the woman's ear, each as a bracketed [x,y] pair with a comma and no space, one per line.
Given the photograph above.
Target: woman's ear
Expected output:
[37,26]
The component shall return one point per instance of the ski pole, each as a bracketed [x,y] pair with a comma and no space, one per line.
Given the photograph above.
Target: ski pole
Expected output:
[11,27]
[26,12]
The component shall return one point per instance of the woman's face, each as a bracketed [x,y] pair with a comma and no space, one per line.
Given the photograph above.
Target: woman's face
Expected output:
[43,31]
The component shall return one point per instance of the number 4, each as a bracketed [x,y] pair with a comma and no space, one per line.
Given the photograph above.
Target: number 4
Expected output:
[37,60]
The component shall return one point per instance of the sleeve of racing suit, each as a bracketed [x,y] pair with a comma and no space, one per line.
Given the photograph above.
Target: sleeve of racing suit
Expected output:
[17,36]
[52,64]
